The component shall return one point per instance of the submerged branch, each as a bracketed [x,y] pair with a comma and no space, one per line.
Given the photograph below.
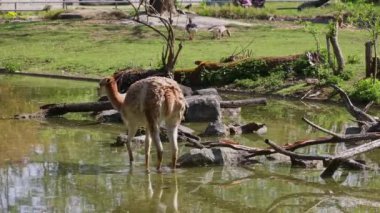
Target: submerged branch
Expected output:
[292,154]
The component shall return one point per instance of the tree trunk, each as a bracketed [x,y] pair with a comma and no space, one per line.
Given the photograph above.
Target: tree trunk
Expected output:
[376,60]
[337,50]
[329,58]
[368,59]
[162,6]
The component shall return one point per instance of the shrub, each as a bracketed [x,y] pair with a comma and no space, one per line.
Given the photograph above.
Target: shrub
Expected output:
[255,69]
[353,59]
[234,12]
[10,15]
[53,14]
[273,81]
[11,66]
[366,90]
[251,69]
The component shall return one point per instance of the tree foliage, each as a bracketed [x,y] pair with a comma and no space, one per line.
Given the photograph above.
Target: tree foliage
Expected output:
[367,17]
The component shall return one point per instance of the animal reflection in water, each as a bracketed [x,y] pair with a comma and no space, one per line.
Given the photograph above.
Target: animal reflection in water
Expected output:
[157,195]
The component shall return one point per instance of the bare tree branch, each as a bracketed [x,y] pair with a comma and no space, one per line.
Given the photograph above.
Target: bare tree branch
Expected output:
[366,108]
[320,128]
[353,110]
[294,155]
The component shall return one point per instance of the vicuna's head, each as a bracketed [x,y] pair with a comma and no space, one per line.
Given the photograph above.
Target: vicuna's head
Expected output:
[107,85]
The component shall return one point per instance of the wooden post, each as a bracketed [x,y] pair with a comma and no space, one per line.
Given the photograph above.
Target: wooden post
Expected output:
[16,6]
[368,59]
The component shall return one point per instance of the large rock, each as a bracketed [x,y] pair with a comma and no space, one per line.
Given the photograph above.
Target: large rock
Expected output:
[200,109]
[214,156]
[109,116]
[216,128]
[208,91]
[187,91]
[203,108]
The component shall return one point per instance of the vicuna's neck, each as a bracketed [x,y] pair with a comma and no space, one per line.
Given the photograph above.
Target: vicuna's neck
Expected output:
[114,96]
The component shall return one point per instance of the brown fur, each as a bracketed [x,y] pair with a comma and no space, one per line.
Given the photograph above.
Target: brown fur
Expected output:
[148,102]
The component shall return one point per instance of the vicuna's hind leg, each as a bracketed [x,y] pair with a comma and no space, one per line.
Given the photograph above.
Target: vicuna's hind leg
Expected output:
[154,131]
[172,130]
[132,129]
[148,142]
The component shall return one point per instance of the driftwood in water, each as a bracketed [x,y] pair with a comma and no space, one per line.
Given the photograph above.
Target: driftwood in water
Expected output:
[333,162]
[241,103]
[51,110]
[340,158]
[247,128]
[366,122]
[298,158]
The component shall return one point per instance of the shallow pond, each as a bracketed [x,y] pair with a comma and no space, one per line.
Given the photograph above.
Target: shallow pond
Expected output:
[67,164]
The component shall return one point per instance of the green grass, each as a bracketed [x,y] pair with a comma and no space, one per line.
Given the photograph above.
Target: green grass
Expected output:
[283,9]
[90,48]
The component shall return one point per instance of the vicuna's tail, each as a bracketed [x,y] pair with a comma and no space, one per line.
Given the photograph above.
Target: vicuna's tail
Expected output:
[174,102]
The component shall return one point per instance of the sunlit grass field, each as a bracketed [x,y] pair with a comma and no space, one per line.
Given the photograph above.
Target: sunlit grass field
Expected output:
[97,48]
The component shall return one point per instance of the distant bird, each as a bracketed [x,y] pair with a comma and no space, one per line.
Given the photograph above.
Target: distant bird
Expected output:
[219,31]
[192,29]
[188,6]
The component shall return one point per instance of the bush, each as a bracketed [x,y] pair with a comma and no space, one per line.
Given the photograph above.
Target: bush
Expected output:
[234,12]
[255,69]
[53,14]
[353,59]
[10,15]
[273,81]
[366,90]
[11,66]
[251,69]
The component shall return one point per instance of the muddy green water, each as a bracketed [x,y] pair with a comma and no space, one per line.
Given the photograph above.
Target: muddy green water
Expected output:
[66,164]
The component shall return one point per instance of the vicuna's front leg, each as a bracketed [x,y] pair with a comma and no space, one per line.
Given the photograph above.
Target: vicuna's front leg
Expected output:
[131,133]
[155,134]
[172,135]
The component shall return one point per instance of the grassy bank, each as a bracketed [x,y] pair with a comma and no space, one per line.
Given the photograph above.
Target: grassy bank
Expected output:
[282,9]
[98,48]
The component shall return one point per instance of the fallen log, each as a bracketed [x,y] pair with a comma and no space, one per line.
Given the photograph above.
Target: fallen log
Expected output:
[51,110]
[348,162]
[308,4]
[247,128]
[241,103]
[353,110]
